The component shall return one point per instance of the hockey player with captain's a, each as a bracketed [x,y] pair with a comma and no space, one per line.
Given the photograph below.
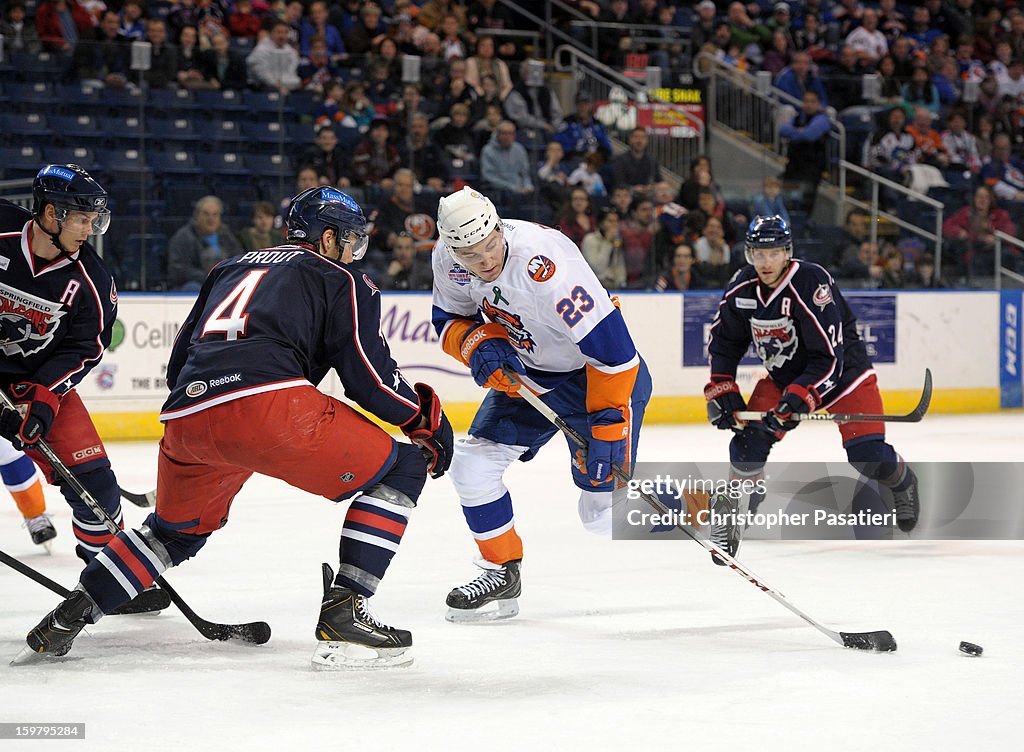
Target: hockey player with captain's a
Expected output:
[267,327]
[803,330]
[515,293]
[58,304]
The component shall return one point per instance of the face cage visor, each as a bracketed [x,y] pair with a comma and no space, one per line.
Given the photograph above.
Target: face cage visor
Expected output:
[66,217]
[754,255]
[359,242]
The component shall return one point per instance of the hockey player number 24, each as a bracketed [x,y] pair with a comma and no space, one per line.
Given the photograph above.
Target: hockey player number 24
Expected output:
[233,323]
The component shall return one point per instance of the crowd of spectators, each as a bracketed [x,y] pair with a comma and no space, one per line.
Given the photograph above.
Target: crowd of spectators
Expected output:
[947,107]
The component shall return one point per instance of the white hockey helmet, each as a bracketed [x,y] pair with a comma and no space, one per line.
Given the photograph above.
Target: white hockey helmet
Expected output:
[465,218]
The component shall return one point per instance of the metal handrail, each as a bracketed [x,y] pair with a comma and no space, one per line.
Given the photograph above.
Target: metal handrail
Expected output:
[1002,237]
[596,26]
[877,181]
[550,29]
[604,73]
[706,65]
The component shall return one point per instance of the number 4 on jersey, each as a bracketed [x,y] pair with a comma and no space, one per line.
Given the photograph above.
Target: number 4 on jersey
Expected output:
[233,324]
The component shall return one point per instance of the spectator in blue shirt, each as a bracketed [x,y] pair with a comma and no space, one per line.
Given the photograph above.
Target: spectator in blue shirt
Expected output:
[807,134]
[797,78]
[581,135]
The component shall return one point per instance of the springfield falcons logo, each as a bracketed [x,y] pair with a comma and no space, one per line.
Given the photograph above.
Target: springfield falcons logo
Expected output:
[775,340]
[27,323]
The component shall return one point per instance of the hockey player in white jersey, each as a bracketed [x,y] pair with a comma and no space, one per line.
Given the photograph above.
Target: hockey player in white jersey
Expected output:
[516,293]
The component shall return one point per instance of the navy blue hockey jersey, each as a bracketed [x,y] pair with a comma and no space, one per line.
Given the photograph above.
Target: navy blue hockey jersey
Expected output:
[803,331]
[283,317]
[56,317]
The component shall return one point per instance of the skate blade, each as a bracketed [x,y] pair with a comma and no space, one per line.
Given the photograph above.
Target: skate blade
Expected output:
[28,657]
[47,546]
[504,609]
[347,656]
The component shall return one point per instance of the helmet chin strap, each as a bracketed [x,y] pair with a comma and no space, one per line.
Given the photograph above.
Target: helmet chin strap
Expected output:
[55,237]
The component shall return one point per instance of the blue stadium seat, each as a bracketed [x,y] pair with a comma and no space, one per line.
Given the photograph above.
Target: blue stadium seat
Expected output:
[124,127]
[257,132]
[43,66]
[174,163]
[77,98]
[224,101]
[220,134]
[303,101]
[79,155]
[20,161]
[18,127]
[78,130]
[300,134]
[178,129]
[31,94]
[270,165]
[225,164]
[267,103]
[171,102]
[122,102]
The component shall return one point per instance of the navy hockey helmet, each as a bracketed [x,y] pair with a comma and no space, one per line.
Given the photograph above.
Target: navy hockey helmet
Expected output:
[318,209]
[70,188]
[766,233]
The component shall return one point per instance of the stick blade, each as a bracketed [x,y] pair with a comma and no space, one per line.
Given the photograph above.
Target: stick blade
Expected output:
[256,633]
[881,641]
[144,500]
[926,396]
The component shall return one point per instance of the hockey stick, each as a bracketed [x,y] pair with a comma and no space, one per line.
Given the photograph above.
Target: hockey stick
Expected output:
[881,641]
[257,632]
[32,574]
[913,416]
[145,500]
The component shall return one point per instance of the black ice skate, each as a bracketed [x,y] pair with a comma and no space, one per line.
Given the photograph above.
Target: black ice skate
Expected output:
[54,635]
[490,597]
[41,530]
[352,637]
[724,532]
[907,504]
[150,600]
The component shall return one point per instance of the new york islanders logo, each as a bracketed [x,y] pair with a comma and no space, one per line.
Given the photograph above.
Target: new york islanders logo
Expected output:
[775,341]
[27,323]
[540,268]
[518,334]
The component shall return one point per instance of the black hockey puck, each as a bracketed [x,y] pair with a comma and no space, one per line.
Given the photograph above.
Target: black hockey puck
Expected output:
[969,648]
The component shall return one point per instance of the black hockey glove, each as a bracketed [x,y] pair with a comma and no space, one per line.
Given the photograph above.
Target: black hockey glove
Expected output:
[36,408]
[724,398]
[796,399]
[435,439]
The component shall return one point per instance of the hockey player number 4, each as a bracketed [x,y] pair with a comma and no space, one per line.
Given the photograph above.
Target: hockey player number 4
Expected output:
[233,323]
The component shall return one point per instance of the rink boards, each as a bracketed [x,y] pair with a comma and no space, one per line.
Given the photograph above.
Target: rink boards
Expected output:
[961,336]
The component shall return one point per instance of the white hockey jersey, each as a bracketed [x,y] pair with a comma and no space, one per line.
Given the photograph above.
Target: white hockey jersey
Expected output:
[557,315]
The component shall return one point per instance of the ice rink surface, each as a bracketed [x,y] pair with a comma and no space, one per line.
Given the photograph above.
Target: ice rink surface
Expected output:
[618,645]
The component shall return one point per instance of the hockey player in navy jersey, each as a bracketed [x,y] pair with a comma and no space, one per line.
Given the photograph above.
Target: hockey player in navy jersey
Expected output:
[518,293]
[267,327]
[806,336]
[57,306]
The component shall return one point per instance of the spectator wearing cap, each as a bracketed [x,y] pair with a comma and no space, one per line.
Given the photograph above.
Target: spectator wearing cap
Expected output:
[375,158]
[325,156]
[781,20]
[921,31]
[798,77]
[580,134]
[703,28]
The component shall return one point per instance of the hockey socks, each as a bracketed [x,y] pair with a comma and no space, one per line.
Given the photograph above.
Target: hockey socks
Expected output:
[373,529]
[22,480]
[493,527]
[124,568]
